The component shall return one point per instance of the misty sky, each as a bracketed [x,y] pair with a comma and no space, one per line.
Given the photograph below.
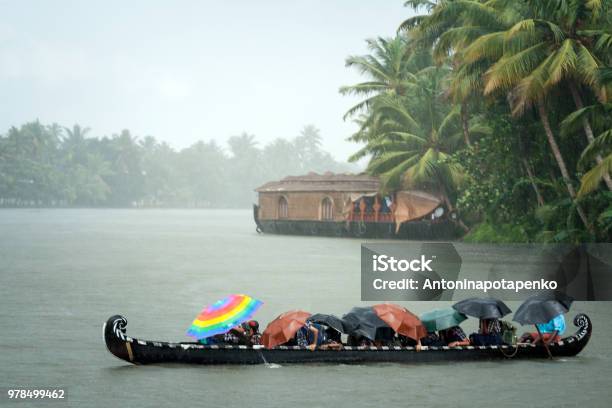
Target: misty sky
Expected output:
[188,70]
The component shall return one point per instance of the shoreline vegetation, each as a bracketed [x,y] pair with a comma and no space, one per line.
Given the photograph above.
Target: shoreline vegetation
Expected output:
[502,108]
[49,166]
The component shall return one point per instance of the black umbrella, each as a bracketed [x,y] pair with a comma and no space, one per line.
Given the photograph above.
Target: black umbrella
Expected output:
[482,308]
[542,308]
[560,297]
[328,320]
[363,321]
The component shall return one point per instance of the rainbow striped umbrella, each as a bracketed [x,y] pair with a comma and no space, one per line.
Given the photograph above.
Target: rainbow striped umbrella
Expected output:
[222,315]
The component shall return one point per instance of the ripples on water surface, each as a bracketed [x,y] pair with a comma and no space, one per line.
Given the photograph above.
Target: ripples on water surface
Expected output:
[64,272]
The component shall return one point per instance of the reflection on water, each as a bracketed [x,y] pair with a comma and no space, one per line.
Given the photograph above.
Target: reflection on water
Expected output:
[64,272]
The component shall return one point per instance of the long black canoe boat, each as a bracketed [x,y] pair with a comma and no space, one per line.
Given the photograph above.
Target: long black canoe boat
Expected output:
[151,352]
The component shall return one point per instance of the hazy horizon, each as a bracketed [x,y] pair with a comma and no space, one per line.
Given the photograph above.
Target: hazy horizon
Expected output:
[188,71]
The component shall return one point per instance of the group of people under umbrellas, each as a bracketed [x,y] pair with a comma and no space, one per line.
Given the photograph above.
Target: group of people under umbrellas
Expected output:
[393,325]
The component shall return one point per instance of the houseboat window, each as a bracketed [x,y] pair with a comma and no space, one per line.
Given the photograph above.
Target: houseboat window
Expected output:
[283,208]
[327,209]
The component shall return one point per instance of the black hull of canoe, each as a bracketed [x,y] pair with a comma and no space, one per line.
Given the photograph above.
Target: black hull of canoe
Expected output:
[153,352]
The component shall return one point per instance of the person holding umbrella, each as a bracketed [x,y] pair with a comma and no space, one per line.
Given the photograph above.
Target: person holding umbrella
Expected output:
[252,330]
[220,322]
[408,327]
[545,311]
[238,335]
[310,335]
[366,328]
[488,311]
[549,332]
[333,327]
[284,329]
[446,322]
[454,337]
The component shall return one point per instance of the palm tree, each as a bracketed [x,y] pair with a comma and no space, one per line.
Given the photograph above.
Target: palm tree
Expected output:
[76,135]
[600,115]
[389,69]
[532,57]
[405,153]
[602,144]
[550,48]
[450,28]
[410,139]
[243,146]
[75,143]
[528,49]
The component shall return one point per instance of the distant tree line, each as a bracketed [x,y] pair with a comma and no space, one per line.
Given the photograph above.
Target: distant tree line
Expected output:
[53,166]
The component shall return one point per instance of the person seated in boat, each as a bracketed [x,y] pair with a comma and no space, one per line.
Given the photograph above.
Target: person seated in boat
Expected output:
[405,341]
[359,341]
[549,332]
[218,340]
[332,334]
[385,336]
[332,339]
[489,333]
[310,336]
[331,345]
[254,337]
[432,340]
[489,326]
[237,336]
[454,337]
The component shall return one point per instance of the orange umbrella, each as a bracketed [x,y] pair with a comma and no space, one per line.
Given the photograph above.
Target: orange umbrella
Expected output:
[283,328]
[401,320]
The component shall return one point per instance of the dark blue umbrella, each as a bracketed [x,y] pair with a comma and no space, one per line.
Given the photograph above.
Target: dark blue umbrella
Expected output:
[328,320]
[482,308]
[543,308]
[363,321]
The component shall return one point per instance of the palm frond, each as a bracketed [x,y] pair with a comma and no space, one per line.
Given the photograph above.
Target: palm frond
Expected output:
[456,38]
[363,88]
[387,161]
[588,66]
[411,23]
[359,107]
[601,145]
[449,121]
[480,129]
[393,177]
[529,89]
[489,46]
[509,70]
[591,180]
[424,169]
[563,62]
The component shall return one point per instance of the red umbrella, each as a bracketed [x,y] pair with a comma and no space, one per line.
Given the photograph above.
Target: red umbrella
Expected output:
[283,328]
[401,320]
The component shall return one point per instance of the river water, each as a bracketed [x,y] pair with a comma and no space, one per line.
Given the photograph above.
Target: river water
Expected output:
[64,272]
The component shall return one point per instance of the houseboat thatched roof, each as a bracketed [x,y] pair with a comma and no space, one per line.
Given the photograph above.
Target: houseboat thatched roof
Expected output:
[358,183]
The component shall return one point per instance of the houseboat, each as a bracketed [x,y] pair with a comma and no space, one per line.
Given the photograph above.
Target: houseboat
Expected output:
[349,205]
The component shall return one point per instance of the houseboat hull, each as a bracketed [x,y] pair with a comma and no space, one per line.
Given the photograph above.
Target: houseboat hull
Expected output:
[413,230]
